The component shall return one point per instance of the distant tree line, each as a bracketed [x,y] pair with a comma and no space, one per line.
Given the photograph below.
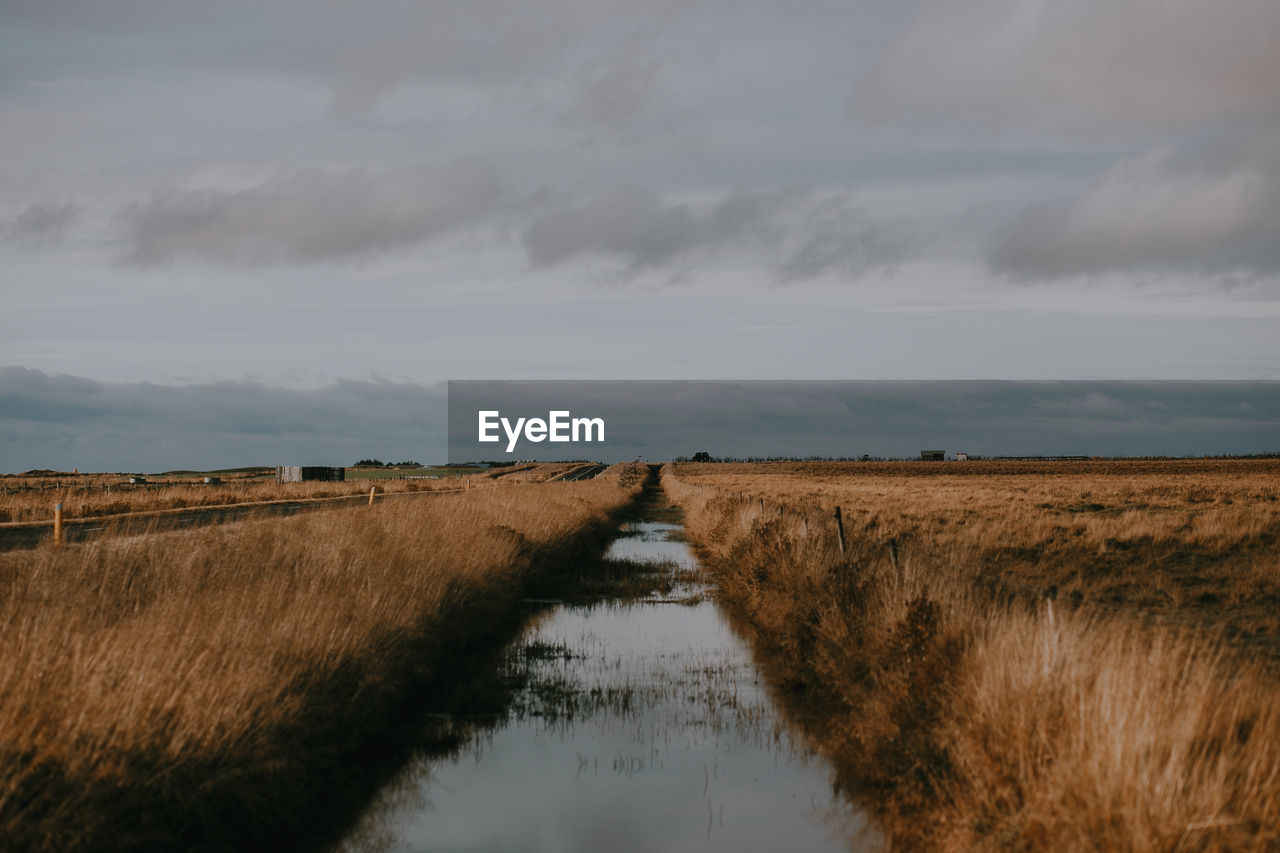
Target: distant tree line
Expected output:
[378,463]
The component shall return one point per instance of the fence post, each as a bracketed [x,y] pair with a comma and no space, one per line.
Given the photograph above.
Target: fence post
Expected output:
[57,524]
[840,529]
[372,489]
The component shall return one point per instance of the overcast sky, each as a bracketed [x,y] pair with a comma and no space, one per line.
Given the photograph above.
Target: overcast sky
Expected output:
[294,198]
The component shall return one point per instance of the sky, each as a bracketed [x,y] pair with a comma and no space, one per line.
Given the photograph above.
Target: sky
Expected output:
[302,218]
[622,420]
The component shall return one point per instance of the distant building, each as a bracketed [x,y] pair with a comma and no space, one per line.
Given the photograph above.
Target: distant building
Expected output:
[933,455]
[961,456]
[308,473]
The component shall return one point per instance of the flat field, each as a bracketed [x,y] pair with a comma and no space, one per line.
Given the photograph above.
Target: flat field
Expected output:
[31,498]
[212,688]
[1190,540]
[1053,655]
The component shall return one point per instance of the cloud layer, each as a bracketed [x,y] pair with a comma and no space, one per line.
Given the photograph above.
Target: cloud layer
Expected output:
[644,137]
[819,177]
[60,421]
[310,215]
[1187,82]
[1155,211]
[801,235]
[46,221]
[661,420]
[1089,65]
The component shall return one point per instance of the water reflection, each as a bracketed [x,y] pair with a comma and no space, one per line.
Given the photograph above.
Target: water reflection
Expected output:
[633,724]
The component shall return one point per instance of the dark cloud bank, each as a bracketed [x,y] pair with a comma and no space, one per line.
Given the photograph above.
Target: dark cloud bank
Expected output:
[61,422]
[664,419]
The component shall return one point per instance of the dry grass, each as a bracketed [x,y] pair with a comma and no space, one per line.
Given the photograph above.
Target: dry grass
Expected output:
[968,717]
[1194,541]
[96,495]
[202,689]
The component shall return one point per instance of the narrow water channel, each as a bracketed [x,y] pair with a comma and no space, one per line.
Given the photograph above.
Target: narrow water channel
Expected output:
[635,720]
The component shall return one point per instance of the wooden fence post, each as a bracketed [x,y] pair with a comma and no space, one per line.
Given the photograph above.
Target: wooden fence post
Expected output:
[840,529]
[372,489]
[57,524]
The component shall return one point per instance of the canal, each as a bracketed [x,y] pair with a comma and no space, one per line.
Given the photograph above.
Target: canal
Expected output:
[630,719]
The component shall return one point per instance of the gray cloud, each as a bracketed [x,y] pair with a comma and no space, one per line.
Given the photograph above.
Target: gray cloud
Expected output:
[46,221]
[363,51]
[835,236]
[1191,82]
[803,235]
[311,215]
[60,421]
[271,145]
[616,94]
[637,227]
[1155,211]
[1134,63]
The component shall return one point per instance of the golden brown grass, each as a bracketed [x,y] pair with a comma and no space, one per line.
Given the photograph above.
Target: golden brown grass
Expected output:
[1194,541]
[202,689]
[968,717]
[25,499]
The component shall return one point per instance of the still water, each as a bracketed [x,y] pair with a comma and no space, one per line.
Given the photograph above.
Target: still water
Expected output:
[635,723]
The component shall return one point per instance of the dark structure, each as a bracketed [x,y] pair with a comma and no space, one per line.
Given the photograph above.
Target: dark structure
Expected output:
[309,473]
[933,455]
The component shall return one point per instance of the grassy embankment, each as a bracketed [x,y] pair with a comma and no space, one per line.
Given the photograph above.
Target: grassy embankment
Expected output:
[25,499]
[1022,657]
[206,689]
